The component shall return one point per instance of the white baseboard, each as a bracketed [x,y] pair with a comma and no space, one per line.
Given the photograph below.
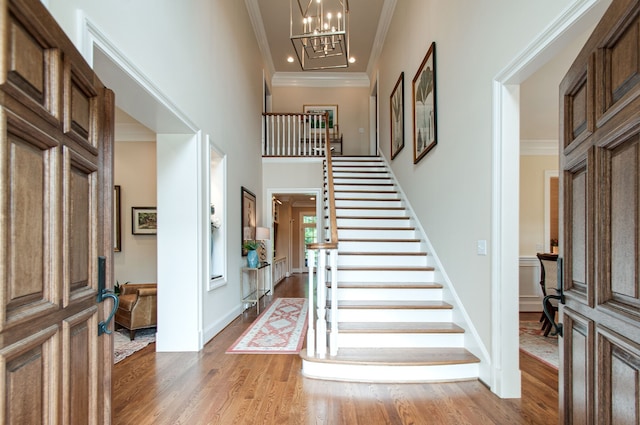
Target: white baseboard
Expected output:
[215,328]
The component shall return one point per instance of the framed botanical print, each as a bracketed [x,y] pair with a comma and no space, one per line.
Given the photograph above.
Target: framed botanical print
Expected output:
[397,116]
[424,106]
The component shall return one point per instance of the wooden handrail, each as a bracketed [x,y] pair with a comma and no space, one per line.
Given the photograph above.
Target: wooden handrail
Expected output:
[333,222]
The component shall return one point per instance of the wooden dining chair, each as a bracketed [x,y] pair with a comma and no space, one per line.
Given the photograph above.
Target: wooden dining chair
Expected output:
[548,285]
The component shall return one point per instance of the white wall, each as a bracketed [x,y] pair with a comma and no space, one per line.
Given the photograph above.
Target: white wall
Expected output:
[203,58]
[450,189]
[135,172]
[353,110]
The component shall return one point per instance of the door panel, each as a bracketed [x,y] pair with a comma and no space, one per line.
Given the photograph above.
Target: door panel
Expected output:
[600,229]
[619,377]
[578,369]
[56,184]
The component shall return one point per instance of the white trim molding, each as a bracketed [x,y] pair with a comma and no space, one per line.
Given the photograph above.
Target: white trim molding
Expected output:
[542,147]
[320,79]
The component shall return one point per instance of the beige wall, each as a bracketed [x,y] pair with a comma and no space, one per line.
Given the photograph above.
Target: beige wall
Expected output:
[353,110]
[532,170]
[135,173]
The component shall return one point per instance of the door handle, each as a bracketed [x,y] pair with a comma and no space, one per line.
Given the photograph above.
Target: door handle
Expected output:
[103,327]
[559,296]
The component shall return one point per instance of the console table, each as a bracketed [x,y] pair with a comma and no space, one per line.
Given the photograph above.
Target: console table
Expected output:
[255,276]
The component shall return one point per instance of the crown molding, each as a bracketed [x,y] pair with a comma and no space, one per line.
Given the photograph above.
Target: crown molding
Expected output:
[320,79]
[261,35]
[533,147]
[386,17]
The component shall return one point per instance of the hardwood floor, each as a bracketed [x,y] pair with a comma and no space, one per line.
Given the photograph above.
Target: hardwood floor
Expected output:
[211,387]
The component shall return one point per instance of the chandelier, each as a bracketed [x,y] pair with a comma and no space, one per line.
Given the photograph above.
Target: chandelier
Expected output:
[320,33]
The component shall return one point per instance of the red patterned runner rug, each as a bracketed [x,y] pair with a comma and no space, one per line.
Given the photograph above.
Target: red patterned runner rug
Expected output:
[278,330]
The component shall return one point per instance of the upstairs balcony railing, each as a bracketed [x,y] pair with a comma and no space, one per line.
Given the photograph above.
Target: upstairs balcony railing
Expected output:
[294,135]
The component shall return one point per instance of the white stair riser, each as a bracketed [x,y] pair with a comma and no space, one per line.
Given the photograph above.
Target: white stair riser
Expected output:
[358,169]
[392,315]
[356,175]
[385,373]
[386,276]
[374,222]
[367,203]
[366,188]
[369,294]
[376,234]
[357,164]
[356,212]
[400,340]
[366,195]
[383,260]
[358,246]
[369,181]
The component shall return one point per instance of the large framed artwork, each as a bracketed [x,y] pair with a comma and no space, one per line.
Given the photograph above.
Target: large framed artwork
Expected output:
[397,117]
[248,208]
[117,227]
[424,106]
[316,125]
[144,221]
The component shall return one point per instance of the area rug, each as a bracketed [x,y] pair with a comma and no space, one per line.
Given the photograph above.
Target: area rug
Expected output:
[123,347]
[533,341]
[278,330]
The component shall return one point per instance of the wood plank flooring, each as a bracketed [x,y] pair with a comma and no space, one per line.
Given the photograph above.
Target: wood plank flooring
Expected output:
[211,387]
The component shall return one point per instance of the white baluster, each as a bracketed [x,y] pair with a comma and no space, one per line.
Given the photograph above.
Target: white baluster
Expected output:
[311,338]
[333,343]
[321,297]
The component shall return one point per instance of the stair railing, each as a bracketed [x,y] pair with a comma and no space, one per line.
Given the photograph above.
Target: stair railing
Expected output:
[291,134]
[323,251]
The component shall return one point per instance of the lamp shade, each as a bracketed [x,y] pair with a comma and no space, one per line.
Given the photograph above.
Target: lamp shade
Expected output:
[263,233]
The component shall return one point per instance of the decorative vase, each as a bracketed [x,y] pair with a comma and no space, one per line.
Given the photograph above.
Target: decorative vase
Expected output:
[252,258]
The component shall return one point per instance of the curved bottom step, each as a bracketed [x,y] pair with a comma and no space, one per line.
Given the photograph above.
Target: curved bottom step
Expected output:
[393,365]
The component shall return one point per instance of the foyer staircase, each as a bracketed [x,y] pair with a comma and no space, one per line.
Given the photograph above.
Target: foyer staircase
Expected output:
[393,323]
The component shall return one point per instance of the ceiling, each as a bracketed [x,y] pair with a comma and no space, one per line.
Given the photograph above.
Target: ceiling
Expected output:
[368,22]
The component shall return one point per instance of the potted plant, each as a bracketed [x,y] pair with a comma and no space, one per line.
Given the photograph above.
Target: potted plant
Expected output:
[252,254]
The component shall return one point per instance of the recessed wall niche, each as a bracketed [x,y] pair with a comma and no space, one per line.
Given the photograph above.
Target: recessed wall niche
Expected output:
[217,222]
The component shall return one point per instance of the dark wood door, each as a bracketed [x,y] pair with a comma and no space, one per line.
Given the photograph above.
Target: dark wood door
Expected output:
[56,121]
[600,230]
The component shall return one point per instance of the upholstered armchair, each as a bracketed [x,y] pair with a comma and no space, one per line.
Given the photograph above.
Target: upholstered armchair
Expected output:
[138,307]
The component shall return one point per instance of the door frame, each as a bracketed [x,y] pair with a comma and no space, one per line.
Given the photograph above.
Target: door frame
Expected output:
[140,98]
[267,212]
[504,376]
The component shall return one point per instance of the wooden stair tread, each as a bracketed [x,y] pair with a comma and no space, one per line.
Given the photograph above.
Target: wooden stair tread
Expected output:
[368,217]
[374,228]
[361,184]
[397,356]
[399,327]
[395,305]
[365,191]
[388,268]
[369,199]
[397,254]
[370,208]
[387,285]
[378,240]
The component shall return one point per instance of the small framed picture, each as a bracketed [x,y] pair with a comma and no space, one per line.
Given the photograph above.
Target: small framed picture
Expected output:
[117,227]
[144,221]
[248,208]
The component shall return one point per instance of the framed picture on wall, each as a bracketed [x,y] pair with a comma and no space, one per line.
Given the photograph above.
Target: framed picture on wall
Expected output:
[144,221]
[117,227]
[316,123]
[424,106]
[397,116]
[248,208]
